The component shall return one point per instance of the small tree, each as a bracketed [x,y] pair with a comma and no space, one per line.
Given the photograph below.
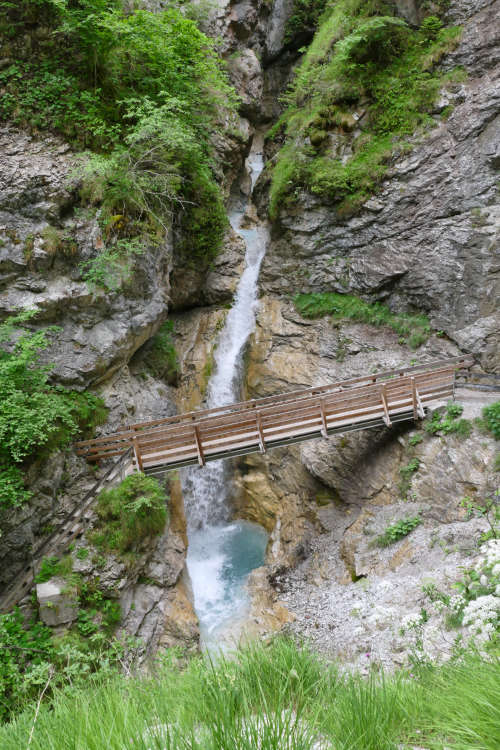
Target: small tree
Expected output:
[33,413]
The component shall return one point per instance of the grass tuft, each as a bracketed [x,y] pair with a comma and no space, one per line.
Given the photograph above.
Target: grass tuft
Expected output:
[273,697]
[415,327]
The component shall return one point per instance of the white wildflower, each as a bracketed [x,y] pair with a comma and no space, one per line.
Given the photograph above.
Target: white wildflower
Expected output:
[482,616]
[411,621]
[491,551]
[457,603]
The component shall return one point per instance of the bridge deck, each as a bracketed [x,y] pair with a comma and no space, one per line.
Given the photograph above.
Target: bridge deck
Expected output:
[257,425]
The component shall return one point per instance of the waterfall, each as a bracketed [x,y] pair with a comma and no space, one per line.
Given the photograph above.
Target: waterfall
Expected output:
[222,554]
[205,489]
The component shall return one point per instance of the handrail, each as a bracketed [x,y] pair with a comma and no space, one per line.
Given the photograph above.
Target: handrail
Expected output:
[149,436]
[278,399]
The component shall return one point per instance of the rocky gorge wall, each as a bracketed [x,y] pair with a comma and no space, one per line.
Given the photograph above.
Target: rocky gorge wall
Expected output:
[427,241]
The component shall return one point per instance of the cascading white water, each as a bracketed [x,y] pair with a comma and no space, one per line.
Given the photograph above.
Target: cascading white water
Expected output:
[204,489]
[215,564]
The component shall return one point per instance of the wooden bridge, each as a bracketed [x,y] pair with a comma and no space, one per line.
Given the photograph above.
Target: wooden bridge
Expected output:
[200,436]
[260,424]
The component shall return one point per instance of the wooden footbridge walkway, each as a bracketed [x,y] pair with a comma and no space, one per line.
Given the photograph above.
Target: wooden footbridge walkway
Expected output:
[260,424]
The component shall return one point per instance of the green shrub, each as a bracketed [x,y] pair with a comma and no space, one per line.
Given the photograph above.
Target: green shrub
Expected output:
[303,19]
[34,415]
[58,242]
[491,416]
[52,567]
[406,473]
[397,531]
[342,306]
[415,439]
[431,26]
[113,267]
[161,359]
[449,423]
[34,663]
[129,514]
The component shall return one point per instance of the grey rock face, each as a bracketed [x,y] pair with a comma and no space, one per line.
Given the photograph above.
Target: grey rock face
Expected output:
[429,239]
[57,605]
[280,13]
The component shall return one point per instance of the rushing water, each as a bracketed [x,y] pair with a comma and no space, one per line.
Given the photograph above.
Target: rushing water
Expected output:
[222,554]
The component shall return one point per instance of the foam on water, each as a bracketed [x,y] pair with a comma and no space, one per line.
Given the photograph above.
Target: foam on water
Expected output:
[219,561]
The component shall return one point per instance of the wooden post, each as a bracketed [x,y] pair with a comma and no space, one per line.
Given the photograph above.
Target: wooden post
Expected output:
[260,430]
[383,395]
[324,425]
[414,399]
[137,453]
[201,457]
[418,409]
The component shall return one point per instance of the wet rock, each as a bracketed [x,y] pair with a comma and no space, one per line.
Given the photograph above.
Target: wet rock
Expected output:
[180,624]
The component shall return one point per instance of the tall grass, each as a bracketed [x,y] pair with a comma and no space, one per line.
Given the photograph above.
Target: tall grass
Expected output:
[277,697]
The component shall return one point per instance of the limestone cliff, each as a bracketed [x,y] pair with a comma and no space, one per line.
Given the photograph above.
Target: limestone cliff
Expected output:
[427,241]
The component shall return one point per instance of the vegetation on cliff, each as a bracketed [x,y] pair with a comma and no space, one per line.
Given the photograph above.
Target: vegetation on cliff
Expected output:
[367,82]
[271,697]
[161,357]
[129,514]
[143,90]
[34,415]
[413,328]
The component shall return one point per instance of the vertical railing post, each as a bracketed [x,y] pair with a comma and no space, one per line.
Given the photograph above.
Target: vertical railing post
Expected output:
[414,399]
[137,453]
[199,447]
[260,431]
[324,425]
[418,409]
[383,395]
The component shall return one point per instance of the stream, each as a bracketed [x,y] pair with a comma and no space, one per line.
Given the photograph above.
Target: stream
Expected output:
[222,553]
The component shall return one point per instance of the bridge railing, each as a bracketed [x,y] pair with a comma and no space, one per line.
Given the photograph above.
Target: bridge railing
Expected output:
[257,424]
